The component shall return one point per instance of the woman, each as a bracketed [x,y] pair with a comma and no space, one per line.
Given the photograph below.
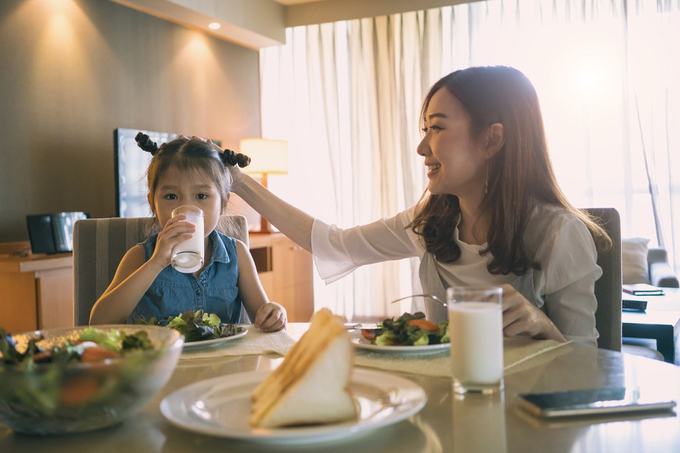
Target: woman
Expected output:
[492,214]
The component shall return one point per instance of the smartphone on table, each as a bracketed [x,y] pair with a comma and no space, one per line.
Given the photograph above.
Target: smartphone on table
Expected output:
[591,402]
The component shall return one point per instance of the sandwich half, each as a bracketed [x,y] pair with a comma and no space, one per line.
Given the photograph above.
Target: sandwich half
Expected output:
[311,385]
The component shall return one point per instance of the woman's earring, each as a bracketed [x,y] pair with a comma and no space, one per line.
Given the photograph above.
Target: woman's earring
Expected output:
[486,183]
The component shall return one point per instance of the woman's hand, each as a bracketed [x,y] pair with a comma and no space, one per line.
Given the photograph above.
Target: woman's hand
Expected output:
[521,317]
[234,170]
[176,230]
[270,317]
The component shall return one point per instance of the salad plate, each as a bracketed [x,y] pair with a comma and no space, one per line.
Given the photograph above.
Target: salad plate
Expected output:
[362,343]
[381,399]
[205,343]
[408,334]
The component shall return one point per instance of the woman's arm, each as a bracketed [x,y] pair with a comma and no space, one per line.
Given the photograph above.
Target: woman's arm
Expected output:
[268,316]
[569,272]
[342,250]
[291,221]
[572,310]
[337,252]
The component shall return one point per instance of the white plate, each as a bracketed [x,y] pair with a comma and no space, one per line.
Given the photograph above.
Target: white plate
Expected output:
[363,343]
[206,343]
[381,399]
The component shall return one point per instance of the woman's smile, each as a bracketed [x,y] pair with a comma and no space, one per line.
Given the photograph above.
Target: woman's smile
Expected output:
[432,169]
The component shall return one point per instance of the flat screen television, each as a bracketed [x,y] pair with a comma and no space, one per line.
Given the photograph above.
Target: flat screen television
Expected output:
[130,164]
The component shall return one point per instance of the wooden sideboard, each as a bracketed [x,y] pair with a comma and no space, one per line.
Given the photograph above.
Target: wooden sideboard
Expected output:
[286,273]
[36,291]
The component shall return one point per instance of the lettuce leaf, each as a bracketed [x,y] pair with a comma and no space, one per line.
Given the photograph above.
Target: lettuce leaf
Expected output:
[110,340]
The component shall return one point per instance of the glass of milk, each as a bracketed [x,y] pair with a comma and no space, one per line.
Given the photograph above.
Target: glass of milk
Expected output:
[187,256]
[476,329]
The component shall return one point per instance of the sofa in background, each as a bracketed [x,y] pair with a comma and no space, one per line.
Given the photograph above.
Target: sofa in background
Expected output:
[660,271]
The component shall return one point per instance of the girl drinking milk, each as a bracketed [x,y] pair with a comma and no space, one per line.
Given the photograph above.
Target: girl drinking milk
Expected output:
[188,172]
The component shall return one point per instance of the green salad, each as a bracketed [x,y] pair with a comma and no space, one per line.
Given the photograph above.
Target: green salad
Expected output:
[43,382]
[92,345]
[408,330]
[195,325]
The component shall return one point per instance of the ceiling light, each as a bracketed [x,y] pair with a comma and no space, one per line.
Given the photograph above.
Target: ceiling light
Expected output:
[214,26]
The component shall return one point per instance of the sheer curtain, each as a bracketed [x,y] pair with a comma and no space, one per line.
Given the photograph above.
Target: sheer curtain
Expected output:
[347,97]
[653,70]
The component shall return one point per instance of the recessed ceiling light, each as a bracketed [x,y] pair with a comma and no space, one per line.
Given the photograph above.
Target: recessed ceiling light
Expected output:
[214,26]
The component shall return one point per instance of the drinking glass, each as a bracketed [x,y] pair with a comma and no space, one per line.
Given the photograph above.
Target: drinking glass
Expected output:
[476,330]
[187,256]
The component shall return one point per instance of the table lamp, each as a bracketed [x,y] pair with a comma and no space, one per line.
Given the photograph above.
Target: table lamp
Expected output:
[267,157]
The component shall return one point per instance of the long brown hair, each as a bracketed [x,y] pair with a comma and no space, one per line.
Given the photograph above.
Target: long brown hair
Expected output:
[519,175]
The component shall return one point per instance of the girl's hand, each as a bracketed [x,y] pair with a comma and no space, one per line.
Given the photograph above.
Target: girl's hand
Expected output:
[521,317]
[234,170]
[176,230]
[270,317]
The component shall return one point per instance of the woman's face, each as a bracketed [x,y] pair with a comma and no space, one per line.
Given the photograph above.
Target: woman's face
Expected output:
[455,161]
[195,188]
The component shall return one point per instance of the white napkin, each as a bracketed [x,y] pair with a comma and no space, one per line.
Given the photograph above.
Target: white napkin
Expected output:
[255,342]
[516,350]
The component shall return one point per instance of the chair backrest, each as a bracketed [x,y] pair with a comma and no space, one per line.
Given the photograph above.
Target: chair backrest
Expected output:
[608,287]
[99,245]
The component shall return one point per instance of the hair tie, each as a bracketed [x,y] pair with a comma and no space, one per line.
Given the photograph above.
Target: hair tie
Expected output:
[232,158]
[144,142]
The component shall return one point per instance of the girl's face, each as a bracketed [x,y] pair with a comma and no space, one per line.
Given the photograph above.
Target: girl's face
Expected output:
[194,188]
[455,162]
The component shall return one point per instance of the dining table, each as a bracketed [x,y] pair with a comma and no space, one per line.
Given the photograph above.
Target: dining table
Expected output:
[448,422]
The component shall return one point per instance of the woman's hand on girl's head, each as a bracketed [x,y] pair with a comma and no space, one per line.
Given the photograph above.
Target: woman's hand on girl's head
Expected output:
[176,230]
[521,317]
[270,317]
[236,174]
[234,170]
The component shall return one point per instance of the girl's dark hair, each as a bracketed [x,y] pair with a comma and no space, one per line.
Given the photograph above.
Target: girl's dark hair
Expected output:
[520,173]
[186,154]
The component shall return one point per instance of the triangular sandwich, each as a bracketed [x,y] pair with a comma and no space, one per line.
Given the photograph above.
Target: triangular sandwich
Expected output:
[312,383]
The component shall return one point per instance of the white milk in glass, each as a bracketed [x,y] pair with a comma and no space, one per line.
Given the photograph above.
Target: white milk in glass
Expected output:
[187,256]
[476,345]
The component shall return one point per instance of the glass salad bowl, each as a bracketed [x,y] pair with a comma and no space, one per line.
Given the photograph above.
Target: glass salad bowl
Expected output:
[39,396]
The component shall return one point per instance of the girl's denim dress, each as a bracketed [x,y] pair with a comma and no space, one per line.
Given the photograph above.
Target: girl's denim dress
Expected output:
[215,291]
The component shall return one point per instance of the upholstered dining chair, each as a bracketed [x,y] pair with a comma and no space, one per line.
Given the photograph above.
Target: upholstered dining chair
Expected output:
[99,245]
[608,287]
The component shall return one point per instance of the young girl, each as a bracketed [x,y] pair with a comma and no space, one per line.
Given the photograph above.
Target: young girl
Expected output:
[188,172]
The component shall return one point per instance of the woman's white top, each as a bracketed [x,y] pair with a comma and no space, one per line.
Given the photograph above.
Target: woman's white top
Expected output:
[564,286]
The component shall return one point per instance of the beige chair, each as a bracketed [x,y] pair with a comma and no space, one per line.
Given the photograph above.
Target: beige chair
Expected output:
[99,245]
[608,287]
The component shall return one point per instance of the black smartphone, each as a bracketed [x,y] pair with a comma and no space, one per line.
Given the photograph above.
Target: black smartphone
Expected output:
[591,402]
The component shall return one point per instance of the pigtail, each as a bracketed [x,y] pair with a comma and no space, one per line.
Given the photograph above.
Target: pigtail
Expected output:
[232,158]
[144,142]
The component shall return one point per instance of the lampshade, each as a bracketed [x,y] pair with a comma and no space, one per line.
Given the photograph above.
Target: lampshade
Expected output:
[267,156]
